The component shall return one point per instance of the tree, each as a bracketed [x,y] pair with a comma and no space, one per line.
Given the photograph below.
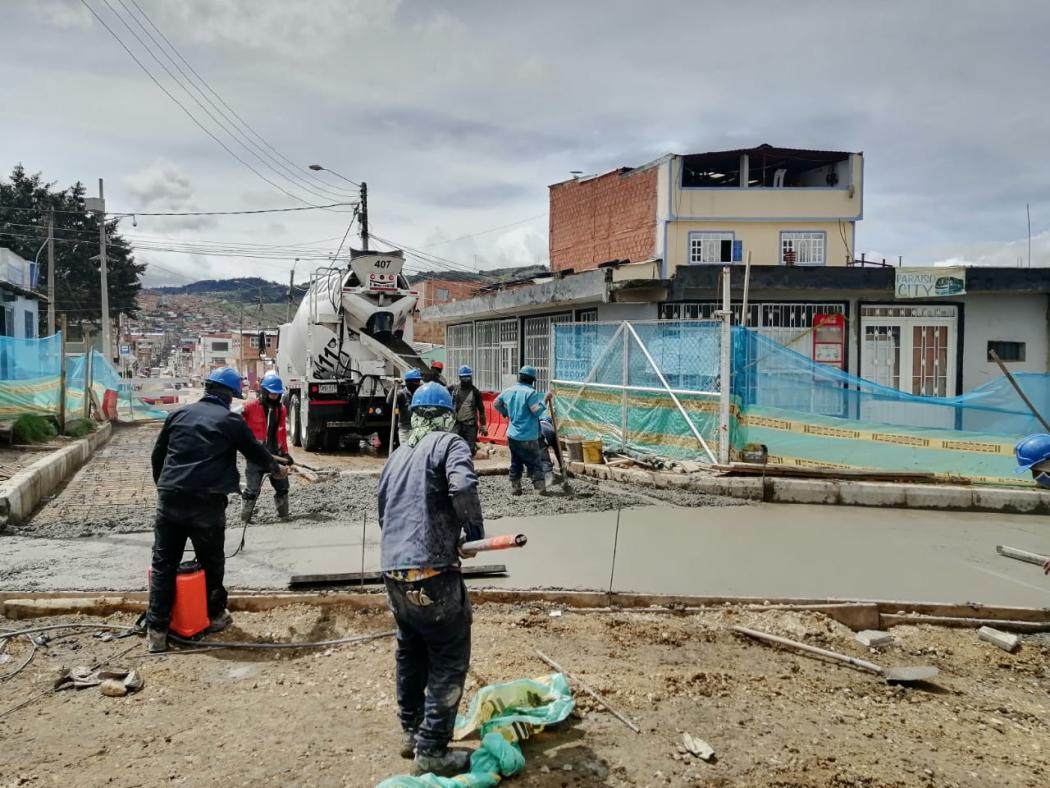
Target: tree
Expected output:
[25,203]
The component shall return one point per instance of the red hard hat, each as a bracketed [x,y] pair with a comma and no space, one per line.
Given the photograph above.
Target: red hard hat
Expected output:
[438,365]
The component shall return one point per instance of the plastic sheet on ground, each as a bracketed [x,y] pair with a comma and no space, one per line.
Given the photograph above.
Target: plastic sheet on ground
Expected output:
[503,715]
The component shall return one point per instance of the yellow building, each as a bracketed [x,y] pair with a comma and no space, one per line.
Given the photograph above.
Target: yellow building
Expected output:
[780,206]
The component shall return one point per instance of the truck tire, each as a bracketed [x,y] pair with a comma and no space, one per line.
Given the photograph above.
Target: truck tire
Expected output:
[293,425]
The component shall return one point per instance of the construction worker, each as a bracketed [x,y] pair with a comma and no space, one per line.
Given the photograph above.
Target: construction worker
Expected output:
[266,417]
[437,373]
[195,469]
[1033,454]
[413,380]
[468,408]
[523,405]
[428,495]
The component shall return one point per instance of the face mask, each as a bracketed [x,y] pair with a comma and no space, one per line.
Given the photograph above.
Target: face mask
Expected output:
[466,381]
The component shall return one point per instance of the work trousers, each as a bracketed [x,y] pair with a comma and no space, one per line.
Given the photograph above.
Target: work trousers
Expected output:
[202,520]
[525,455]
[433,654]
[468,431]
[253,479]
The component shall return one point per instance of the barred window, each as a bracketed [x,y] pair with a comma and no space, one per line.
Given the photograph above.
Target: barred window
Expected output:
[711,247]
[802,248]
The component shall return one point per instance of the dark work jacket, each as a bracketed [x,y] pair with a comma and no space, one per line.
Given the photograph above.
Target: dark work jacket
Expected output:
[196,451]
[467,405]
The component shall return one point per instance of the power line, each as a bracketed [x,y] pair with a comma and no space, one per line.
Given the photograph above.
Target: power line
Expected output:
[235,133]
[181,106]
[197,213]
[295,167]
[490,230]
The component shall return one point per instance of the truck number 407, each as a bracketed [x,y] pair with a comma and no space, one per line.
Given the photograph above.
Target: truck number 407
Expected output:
[382,264]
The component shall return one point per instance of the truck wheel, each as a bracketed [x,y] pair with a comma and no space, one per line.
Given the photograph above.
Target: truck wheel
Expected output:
[293,425]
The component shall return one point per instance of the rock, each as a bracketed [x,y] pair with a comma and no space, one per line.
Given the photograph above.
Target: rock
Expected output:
[698,747]
[874,638]
[995,722]
[133,682]
[1004,640]
[113,688]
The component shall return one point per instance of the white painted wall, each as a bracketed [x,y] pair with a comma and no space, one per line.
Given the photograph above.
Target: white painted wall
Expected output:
[1010,317]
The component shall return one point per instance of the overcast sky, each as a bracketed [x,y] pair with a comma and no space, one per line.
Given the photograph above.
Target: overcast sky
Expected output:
[459,114]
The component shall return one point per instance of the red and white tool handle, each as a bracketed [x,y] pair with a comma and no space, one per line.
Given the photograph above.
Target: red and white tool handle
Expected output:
[504,542]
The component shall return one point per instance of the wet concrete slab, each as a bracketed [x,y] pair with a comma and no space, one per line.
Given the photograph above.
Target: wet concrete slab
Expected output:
[767,550]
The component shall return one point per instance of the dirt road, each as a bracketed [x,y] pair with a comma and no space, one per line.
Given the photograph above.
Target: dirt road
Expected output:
[327,718]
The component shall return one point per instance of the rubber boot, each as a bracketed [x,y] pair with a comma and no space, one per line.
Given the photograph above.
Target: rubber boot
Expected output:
[447,764]
[282,506]
[156,641]
[548,479]
[408,743]
[220,622]
[515,486]
[248,509]
[540,486]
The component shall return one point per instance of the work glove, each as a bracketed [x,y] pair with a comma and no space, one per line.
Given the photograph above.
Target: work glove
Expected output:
[289,458]
[483,430]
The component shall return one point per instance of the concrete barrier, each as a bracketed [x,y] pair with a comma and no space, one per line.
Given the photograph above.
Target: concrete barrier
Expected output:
[23,492]
[844,492]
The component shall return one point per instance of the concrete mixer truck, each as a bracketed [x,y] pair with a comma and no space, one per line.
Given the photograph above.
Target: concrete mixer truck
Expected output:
[344,352]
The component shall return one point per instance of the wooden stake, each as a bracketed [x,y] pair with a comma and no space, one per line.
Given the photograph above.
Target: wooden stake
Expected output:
[1017,387]
[593,693]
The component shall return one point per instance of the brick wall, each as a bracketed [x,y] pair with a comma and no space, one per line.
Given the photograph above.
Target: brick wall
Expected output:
[428,330]
[611,217]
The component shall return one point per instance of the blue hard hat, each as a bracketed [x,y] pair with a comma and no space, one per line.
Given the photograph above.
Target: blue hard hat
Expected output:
[431,395]
[272,383]
[529,371]
[413,374]
[465,371]
[1031,451]
[230,378]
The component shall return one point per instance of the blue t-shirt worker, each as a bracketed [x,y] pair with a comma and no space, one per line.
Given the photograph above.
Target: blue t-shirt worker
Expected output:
[523,405]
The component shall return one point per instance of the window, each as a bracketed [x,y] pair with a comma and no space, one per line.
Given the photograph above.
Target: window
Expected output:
[586,315]
[253,343]
[713,247]
[1006,351]
[30,318]
[441,294]
[220,347]
[802,248]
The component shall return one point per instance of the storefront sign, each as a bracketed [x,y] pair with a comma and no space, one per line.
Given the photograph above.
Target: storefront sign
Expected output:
[929,282]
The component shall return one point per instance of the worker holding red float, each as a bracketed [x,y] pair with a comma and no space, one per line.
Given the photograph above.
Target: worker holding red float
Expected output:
[428,496]
[195,469]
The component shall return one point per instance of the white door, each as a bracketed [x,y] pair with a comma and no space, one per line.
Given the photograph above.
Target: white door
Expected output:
[911,349]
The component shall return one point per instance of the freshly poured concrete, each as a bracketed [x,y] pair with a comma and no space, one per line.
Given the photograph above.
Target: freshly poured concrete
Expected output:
[765,550]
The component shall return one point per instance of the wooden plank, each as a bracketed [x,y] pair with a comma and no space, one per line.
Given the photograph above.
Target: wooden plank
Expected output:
[1021,555]
[892,620]
[757,469]
[372,578]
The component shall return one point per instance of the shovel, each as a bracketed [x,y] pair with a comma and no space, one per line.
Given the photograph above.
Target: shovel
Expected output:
[899,675]
[565,486]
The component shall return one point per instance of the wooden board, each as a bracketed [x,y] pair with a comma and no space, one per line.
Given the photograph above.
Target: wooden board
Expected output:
[374,578]
[757,469]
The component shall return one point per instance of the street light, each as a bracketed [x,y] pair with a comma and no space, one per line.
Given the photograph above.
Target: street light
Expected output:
[363,215]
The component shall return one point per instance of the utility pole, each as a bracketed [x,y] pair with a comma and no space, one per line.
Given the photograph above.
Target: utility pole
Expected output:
[1028,211]
[98,207]
[363,217]
[291,290]
[240,342]
[51,273]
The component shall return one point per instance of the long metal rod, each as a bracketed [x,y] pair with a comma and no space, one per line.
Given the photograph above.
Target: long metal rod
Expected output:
[667,389]
[616,542]
[655,389]
[624,380]
[725,368]
[587,688]
[364,524]
[1017,387]
[1022,555]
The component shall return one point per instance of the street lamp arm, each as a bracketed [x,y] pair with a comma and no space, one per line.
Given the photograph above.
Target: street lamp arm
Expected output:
[319,168]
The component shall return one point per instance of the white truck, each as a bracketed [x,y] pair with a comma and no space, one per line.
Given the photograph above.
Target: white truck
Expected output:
[343,353]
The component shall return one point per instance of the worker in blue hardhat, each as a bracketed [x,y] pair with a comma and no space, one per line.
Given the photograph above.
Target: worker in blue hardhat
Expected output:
[1033,455]
[468,408]
[412,381]
[195,469]
[428,497]
[523,405]
[267,417]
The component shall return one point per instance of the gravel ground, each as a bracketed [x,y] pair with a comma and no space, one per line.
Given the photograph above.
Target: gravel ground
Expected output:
[327,718]
[351,497]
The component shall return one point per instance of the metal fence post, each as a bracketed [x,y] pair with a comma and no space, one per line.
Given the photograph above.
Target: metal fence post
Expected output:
[725,370]
[62,379]
[89,358]
[625,382]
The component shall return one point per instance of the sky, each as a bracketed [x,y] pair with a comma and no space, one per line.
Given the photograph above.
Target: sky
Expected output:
[458,115]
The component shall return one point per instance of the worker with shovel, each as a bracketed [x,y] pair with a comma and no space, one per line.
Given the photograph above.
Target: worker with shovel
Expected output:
[1033,454]
[469,409]
[523,405]
[428,496]
[195,469]
[266,416]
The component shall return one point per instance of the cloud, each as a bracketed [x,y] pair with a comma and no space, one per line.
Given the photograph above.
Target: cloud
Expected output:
[162,186]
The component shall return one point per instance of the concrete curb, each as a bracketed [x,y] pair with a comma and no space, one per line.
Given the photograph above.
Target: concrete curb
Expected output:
[843,492]
[23,492]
